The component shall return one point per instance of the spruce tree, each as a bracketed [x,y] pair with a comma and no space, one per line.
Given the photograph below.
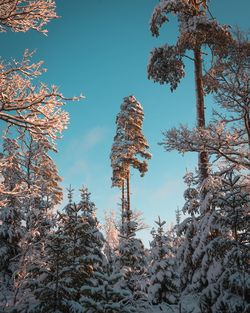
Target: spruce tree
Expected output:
[163,286]
[106,292]
[131,262]
[80,228]
[42,193]
[226,256]
[11,218]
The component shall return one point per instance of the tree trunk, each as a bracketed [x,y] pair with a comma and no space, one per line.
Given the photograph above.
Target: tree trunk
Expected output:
[128,203]
[200,111]
[123,203]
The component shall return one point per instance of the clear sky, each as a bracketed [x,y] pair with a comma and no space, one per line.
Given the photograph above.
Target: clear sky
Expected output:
[101,48]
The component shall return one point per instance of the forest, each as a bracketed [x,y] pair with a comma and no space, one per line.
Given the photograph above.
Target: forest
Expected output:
[55,254]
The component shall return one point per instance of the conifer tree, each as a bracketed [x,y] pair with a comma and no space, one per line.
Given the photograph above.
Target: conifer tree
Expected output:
[11,217]
[42,179]
[223,249]
[85,242]
[163,286]
[166,64]
[69,258]
[188,230]
[129,145]
[106,292]
[48,279]
[39,182]
[131,262]
[213,256]
[227,137]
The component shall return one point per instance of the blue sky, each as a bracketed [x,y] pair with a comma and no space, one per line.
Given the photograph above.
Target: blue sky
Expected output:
[101,48]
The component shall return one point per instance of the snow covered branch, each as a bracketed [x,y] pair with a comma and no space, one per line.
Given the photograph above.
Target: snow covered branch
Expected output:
[35,107]
[22,15]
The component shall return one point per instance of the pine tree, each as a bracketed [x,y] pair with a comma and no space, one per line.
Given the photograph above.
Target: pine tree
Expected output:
[42,179]
[213,256]
[227,136]
[129,145]
[188,230]
[166,64]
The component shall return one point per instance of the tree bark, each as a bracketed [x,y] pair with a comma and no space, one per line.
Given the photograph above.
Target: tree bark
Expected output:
[200,111]
[128,193]
[123,203]
[128,204]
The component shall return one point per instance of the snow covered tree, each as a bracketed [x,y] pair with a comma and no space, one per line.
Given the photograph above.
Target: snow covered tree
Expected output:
[129,145]
[33,185]
[104,289]
[111,231]
[206,272]
[213,256]
[11,217]
[20,16]
[163,286]
[166,64]
[70,256]
[106,292]
[85,242]
[187,230]
[131,261]
[224,248]
[227,136]
[48,279]
[37,107]
[42,181]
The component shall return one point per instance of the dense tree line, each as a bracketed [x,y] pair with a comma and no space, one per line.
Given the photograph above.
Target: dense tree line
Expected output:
[59,260]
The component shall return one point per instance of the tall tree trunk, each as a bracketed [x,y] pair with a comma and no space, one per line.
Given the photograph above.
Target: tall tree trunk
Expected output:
[128,203]
[123,202]
[200,111]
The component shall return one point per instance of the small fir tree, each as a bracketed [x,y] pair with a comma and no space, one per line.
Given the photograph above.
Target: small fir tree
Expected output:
[163,286]
[106,292]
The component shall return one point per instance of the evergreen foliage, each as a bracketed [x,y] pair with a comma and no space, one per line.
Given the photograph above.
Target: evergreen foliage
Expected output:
[129,142]
[11,217]
[163,286]
[61,263]
[106,292]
